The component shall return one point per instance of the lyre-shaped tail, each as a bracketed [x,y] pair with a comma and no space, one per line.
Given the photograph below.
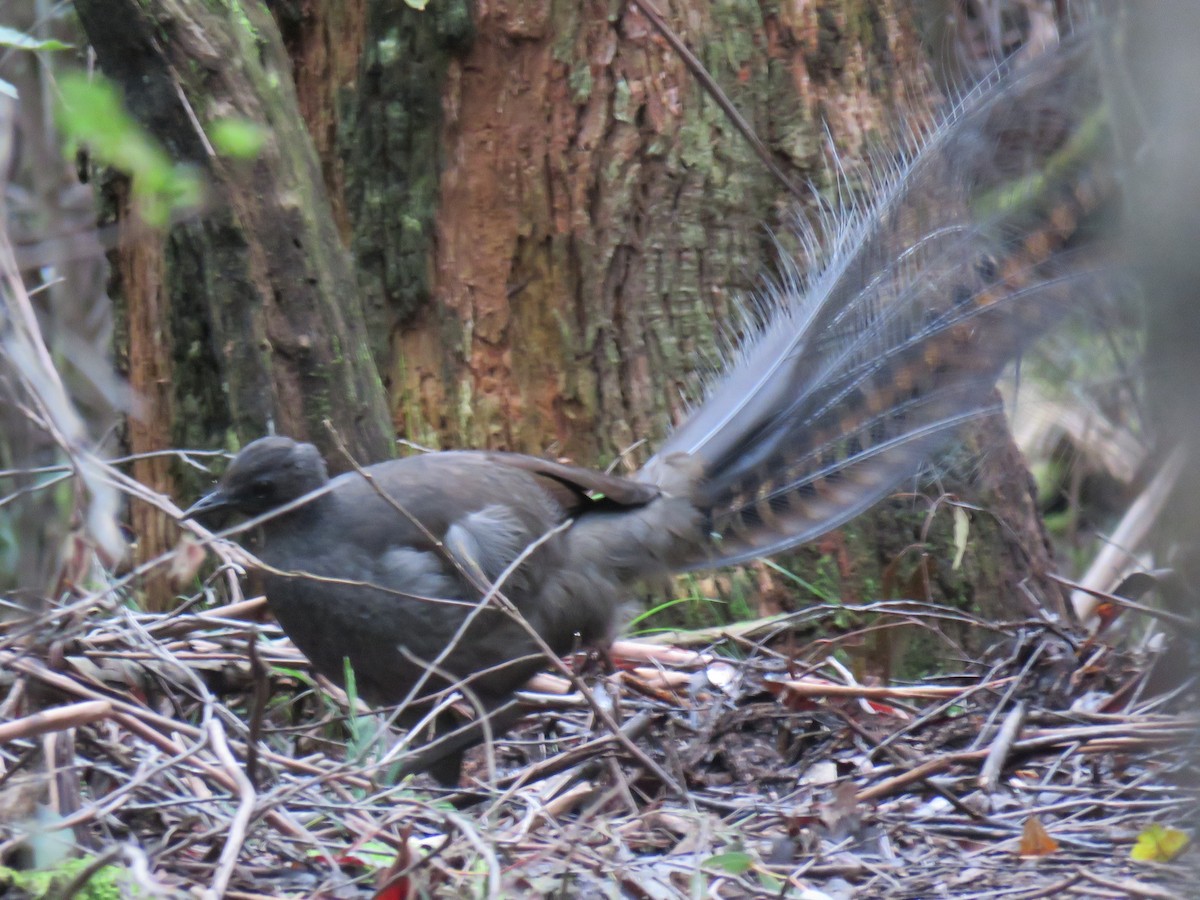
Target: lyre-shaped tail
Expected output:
[977,242]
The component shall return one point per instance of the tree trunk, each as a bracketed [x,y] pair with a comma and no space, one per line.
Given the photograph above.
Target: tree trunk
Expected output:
[571,222]
[249,320]
[553,224]
[598,216]
[262,289]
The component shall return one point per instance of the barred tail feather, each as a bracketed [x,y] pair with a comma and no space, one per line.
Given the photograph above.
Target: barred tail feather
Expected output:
[973,248]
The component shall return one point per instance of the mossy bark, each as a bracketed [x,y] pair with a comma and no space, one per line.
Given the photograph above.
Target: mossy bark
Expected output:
[265,267]
[597,216]
[595,220]
[553,224]
[250,312]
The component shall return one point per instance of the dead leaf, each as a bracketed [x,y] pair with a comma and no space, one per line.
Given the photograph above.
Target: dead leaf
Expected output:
[962,529]
[1035,839]
[186,561]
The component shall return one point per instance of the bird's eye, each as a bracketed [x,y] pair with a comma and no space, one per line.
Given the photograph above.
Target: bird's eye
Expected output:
[261,488]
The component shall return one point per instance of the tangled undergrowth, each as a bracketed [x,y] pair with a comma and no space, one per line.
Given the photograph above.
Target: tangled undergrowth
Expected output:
[195,748]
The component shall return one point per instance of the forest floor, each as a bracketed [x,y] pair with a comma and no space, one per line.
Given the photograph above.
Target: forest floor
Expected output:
[192,753]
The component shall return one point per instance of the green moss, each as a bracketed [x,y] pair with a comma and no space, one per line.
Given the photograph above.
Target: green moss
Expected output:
[466,413]
[389,139]
[242,20]
[108,883]
[388,49]
[564,21]
[580,81]
[827,580]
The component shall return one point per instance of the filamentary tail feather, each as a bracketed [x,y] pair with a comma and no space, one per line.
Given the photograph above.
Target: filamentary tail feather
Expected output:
[973,247]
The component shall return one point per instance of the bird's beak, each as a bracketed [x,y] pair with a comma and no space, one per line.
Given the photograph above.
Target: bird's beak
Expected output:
[214,501]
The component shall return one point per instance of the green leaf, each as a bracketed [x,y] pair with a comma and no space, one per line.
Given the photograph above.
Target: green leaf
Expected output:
[736,862]
[10,37]
[237,138]
[1159,843]
[90,112]
[299,674]
[772,884]
[374,854]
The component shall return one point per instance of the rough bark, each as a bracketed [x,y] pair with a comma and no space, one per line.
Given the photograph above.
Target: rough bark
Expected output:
[591,220]
[324,41]
[262,287]
[599,217]
[140,274]
[553,224]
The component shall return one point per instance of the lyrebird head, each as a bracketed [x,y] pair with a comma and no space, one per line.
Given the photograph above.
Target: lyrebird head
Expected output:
[265,475]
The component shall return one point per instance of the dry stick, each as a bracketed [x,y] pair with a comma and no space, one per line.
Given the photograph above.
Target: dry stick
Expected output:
[1162,615]
[149,720]
[1130,888]
[589,752]
[939,709]
[989,775]
[467,829]
[1131,532]
[241,819]
[1007,695]
[258,676]
[165,626]
[714,90]
[57,719]
[119,796]
[1092,739]
[568,799]
[228,553]
[1050,890]
[900,760]
[858,691]
[168,745]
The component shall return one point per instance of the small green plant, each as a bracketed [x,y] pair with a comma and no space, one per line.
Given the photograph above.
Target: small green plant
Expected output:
[10,37]
[824,593]
[691,597]
[90,113]
[363,730]
[106,883]
[237,138]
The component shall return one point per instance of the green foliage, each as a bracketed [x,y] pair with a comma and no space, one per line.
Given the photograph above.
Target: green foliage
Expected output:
[692,596]
[693,608]
[10,37]
[363,730]
[108,883]
[823,593]
[237,138]
[735,862]
[19,40]
[90,112]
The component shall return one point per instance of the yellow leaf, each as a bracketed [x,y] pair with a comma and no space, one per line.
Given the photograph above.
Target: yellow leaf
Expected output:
[1159,844]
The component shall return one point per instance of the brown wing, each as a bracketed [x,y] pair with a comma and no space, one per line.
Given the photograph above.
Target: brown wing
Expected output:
[578,489]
